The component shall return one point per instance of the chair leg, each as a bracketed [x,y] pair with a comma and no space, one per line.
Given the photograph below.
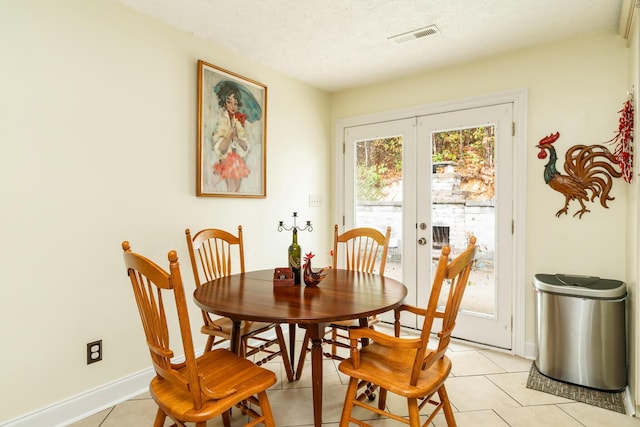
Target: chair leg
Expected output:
[284,354]
[369,391]
[334,338]
[414,412]
[303,355]
[209,344]
[242,351]
[265,408]
[352,389]
[382,398]
[446,406]
[226,418]
[160,417]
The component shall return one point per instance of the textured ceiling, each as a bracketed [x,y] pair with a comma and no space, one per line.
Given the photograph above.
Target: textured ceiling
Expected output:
[339,44]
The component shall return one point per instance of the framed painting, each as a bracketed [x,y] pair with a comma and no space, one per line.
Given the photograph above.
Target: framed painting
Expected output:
[232,123]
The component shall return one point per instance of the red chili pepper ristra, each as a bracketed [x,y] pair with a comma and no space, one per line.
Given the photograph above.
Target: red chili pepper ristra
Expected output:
[624,140]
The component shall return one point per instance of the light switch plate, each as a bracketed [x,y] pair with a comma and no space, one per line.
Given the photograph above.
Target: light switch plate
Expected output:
[315,200]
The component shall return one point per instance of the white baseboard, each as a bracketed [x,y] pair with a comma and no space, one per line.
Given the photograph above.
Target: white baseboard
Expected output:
[91,401]
[530,350]
[85,404]
[628,404]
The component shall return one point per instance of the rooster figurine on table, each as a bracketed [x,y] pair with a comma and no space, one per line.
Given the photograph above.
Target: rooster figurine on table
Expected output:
[312,278]
[590,172]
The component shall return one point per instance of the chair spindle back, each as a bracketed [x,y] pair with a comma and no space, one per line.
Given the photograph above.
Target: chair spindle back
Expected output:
[363,247]
[456,273]
[210,251]
[149,282]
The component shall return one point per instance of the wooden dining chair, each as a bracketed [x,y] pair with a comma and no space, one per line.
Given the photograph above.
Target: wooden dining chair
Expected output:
[406,366]
[197,389]
[361,249]
[211,251]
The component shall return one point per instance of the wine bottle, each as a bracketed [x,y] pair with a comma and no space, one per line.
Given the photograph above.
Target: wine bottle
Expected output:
[294,257]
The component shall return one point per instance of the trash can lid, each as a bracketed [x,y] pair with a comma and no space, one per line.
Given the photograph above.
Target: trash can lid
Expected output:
[584,286]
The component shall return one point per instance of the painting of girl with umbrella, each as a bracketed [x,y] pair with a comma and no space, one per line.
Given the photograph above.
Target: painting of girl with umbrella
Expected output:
[231,134]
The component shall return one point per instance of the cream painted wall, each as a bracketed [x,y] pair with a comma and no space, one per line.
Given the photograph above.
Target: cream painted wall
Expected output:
[576,87]
[98,129]
[633,272]
[98,134]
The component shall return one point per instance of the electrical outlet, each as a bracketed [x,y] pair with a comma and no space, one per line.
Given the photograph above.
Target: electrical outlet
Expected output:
[94,352]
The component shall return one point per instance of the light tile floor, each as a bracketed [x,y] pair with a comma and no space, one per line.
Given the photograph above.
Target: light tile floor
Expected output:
[486,388]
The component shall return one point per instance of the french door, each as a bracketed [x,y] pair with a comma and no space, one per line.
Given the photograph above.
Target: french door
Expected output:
[436,180]
[379,193]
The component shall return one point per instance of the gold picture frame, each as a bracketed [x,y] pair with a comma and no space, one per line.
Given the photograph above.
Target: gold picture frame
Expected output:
[232,124]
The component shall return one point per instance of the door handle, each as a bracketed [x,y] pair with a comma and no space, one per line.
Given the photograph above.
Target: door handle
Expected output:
[422,241]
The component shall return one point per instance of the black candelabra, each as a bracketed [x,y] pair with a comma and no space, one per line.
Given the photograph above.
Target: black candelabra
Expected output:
[308,226]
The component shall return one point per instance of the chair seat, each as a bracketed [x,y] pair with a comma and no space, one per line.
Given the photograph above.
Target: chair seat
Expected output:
[353,323]
[391,368]
[222,327]
[345,324]
[231,372]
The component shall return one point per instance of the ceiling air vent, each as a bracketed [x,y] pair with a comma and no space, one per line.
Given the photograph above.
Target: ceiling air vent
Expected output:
[415,34]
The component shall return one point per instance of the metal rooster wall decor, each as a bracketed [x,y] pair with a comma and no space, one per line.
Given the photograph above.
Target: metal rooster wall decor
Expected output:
[590,171]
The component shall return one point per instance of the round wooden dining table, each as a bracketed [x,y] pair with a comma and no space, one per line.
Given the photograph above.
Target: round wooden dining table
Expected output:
[341,295]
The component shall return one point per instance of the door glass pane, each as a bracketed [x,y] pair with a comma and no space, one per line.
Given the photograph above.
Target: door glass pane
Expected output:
[378,193]
[463,203]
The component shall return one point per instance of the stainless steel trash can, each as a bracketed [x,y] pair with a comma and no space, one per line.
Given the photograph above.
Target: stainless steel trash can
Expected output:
[581,330]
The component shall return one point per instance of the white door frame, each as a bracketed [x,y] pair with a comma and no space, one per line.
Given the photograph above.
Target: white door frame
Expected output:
[519,99]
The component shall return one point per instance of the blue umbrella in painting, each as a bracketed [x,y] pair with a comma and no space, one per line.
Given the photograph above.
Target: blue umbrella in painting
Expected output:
[250,105]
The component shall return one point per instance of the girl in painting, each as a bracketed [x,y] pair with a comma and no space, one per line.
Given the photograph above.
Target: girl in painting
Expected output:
[230,140]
